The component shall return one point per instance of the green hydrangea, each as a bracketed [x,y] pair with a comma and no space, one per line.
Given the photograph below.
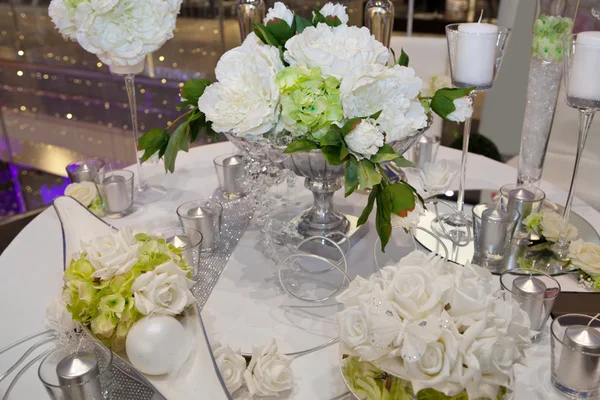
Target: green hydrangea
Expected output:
[309,103]
[532,222]
[96,207]
[548,33]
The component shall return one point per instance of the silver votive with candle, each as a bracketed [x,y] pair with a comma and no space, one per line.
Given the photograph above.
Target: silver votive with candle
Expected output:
[116,191]
[425,150]
[492,232]
[78,372]
[186,239]
[231,170]
[525,199]
[576,356]
[204,216]
[535,292]
[84,171]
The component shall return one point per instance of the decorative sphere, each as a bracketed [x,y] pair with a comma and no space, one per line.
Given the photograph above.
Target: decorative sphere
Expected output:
[157,345]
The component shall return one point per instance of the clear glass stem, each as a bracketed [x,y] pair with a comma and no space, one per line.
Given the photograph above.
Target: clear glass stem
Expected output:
[585,120]
[460,201]
[142,185]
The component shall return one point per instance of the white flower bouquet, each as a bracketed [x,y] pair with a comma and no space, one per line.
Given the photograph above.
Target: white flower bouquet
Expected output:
[316,85]
[435,326]
[119,32]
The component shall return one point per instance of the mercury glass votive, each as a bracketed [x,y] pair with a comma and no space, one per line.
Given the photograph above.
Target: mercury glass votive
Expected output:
[492,232]
[575,344]
[116,191]
[81,171]
[535,292]
[203,215]
[231,169]
[186,239]
[525,199]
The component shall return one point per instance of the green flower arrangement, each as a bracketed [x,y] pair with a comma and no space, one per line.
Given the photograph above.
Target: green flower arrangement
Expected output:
[548,34]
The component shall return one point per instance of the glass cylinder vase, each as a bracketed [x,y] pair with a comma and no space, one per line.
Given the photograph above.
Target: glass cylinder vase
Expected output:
[554,20]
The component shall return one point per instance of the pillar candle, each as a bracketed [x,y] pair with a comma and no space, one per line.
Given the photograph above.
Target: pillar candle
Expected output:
[584,78]
[475,55]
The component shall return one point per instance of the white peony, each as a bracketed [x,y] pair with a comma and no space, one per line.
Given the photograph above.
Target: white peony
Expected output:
[365,139]
[113,254]
[58,318]
[83,192]
[231,365]
[398,124]
[128,31]
[166,290]
[437,177]
[245,100]
[335,10]
[61,13]
[411,219]
[464,109]
[279,11]
[586,256]
[269,371]
[336,50]
[353,328]
[551,224]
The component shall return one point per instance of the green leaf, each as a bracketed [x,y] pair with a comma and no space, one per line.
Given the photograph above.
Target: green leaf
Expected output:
[403,162]
[263,34]
[332,138]
[351,177]
[344,151]
[350,124]
[393,54]
[383,218]
[332,154]
[404,59]
[152,141]
[301,145]
[301,23]
[174,145]
[402,197]
[376,115]
[385,153]
[192,90]
[280,30]
[442,102]
[367,174]
[454,132]
[364,216]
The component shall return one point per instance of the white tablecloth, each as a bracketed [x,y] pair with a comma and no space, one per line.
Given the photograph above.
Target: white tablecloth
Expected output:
[31,270]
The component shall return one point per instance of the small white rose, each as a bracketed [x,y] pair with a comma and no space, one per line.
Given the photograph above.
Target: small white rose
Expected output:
[586,256]
[464,110]
[411,219]
[353,327]
[231,365]
[279,11]
[164,291]
[437,177]
[269,371]
[83,192]
[551,224]
[113,254]
[335,10]
[365,139]
[58,318]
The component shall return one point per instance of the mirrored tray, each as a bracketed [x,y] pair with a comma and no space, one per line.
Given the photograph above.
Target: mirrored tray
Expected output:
[463,254]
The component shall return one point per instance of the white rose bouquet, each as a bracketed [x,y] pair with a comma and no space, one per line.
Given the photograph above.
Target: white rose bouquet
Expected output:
[87,194]
[432,328]
[586,256]
[316,84]
[119,278]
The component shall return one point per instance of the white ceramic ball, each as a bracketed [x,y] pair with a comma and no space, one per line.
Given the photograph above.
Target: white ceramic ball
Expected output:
[157,345]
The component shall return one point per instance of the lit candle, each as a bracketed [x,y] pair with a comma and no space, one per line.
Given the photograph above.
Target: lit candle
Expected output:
[584,79]
[78,373]
[117,198]
[530,293]
[475,55]
[577,370]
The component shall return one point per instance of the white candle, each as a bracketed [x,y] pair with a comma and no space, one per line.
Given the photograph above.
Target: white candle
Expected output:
[475,55]
[584,76]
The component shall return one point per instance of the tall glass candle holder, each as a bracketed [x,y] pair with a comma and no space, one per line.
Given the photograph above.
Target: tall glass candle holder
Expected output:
[476,51]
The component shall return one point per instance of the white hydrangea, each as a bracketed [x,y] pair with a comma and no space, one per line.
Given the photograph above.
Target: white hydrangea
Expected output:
[335,10]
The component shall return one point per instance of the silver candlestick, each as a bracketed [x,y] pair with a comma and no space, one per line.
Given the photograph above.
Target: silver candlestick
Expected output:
[249,12]
[379,18]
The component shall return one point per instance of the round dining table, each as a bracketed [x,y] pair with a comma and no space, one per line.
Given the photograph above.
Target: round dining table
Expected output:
[247,306]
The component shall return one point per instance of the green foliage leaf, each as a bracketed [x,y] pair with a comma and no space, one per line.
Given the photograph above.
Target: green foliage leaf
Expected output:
[175,143]
[403,162]
[344,151]
[351,177]
[393,55]
[301,145]
[281,31]
[320,18]
[404,59]
[442,102]
[263,34]
[385,153]
[301,23]
[364,216]
[332,138]
[350,124]
[332,154]
[376,115]
[383,217]
[402,197]
[153,141]
[368,176]
[192,90]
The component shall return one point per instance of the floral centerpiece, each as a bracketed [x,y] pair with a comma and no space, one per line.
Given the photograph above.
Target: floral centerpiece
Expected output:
[316,85]
[430,327]
[87,194]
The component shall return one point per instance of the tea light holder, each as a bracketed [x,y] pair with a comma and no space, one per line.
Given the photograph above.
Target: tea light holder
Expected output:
[535,292]
[203,215]
[425,150]
[84,171]
[188,240]
[231,169]
[116,191]
[492,230]
[575,344]
[78,372]
[526,200]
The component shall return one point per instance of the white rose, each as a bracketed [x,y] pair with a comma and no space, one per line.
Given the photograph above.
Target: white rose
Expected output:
[336,50]
[112,255]
[62,17]
[245,100]
[412,218]
[279,11]
[58,318]
[231,365]
[83,192]
[353,327]
[551,224]
[510,320]
[269,371]
[166,290]
[365,139]
[469,301]
[437,177]
[335,10]
[586,256]
[463,110]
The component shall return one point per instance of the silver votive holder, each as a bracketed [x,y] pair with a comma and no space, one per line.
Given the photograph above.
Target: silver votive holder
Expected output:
[535,292]
[526,199]
[249,13]
[575,344]
[425,150]
[186,240]
[231,169]
[81,171]
[492,233]
[203,215]
[79,370]
[379,18]
[116,191]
